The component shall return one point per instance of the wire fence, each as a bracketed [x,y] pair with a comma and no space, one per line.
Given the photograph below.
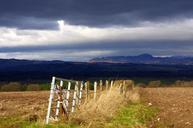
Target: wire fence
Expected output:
[67,95]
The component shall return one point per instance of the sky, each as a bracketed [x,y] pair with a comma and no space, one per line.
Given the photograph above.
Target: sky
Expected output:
[78,30]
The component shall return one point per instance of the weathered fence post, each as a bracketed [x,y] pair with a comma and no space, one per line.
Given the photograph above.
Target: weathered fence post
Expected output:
[68,94]
[87,90]
[77,92]
[80,94]
[101,85]
[107,85]
[121,87]
[58,101]
[95,89]
[111,84]
[74,98]
[50,99]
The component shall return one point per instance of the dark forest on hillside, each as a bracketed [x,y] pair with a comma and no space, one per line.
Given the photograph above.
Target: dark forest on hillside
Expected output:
[29,71]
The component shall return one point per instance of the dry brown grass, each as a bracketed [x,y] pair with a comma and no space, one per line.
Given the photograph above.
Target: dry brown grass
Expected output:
[96,112]
[30,105]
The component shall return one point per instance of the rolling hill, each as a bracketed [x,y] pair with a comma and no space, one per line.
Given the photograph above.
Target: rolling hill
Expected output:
[146,59]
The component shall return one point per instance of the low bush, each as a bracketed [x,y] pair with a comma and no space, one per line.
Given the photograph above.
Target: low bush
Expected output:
[156,83]
[141,85]
[33,87]
[180,83]
[12,86]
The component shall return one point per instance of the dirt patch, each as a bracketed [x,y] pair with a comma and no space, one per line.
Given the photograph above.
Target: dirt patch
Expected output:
[23,104]
[175,104]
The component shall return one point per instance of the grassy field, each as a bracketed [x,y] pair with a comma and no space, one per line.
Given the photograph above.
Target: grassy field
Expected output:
[133,115]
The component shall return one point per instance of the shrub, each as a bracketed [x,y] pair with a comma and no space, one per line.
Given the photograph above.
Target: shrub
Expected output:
[44,86]
[179,83]
[141,85]
[12,86]
[33,87]
[156,83]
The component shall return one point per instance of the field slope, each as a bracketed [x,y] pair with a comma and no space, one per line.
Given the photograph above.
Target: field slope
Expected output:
[175,104]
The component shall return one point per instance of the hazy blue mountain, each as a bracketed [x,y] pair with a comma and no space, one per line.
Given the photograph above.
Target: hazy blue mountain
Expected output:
[146,59]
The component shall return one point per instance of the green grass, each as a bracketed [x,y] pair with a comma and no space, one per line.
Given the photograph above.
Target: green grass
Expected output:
[132,115]
[14,122]
[39,125]
[44,86]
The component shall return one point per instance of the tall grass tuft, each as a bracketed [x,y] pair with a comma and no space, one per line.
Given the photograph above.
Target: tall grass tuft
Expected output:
[96,113]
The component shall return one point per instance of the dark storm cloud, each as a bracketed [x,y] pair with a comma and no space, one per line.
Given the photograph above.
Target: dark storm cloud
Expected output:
[168,32]
[90,12]
[170,47]
[27,23]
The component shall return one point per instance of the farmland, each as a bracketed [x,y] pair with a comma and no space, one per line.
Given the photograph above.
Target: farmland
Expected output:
[28,109]
[18,106]
[175,104]
[172,106]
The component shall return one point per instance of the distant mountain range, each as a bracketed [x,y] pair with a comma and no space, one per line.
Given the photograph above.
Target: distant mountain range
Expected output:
[146,66]
[146,59]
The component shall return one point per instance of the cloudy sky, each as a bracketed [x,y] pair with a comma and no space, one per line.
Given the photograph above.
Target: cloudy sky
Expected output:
[77,30]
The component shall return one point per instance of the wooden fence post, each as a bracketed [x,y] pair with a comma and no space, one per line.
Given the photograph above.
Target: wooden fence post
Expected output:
[121,88]
[111,84]
[95,89]
[101,85]
[107,85]
[68,94]
[58,102]
[125,88]
[87,90]
[77,92]
[74,98]
[80,94]
[50,99]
